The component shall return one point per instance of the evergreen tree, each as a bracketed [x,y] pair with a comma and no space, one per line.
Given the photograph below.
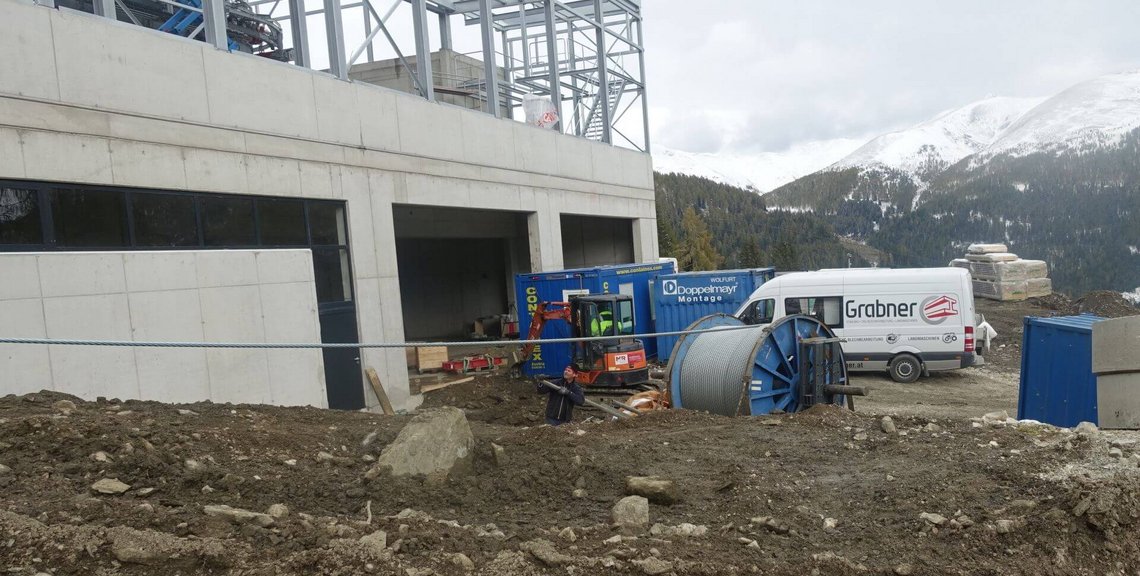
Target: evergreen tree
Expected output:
[750,256]
[666,239]
[696,251]
[785,257]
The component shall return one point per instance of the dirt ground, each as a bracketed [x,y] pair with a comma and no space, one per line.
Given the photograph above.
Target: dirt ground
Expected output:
[825,491]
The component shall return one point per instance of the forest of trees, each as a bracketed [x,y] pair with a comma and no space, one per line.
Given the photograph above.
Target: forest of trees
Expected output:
[707,225]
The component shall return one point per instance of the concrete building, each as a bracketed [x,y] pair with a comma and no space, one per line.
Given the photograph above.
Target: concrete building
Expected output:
[457,78]
[141,172]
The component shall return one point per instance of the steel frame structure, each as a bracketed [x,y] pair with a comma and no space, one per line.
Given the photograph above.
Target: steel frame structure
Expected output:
[587,56]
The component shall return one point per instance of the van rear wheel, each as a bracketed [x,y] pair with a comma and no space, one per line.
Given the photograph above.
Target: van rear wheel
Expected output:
[905,368]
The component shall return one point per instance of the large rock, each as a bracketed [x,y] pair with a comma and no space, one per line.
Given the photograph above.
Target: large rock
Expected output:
[545,552]
[631,514]
[239,516]
[657,490]
[887,425]
[377,542]
[436,443]
[151,548]
[654,566]
[1086,428]
[110,486]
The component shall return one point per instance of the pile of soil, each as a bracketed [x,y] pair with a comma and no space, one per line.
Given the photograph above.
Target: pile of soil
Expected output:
[1008,319]
[1105,303]
[825,490]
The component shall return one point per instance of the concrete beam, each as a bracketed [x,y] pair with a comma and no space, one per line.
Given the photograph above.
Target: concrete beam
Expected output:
[1116,345]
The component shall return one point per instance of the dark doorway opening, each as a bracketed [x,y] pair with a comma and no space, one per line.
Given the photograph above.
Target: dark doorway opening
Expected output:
[594,241]
[457,266]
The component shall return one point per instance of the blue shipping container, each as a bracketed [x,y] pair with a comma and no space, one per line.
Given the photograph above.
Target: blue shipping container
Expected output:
[1057,382]
[530,289]
[681,299]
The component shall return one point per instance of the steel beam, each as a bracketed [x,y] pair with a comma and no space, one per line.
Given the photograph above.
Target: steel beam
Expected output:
[214,18]
[444,31]
[370,12]
[525,48]
[395,47]
[552,62]
[508,64]
[127,11]
[368,34]
[105,8]
[300,30]
[490,74]
[603,77]
[334,33]
[423,49]
[644,99]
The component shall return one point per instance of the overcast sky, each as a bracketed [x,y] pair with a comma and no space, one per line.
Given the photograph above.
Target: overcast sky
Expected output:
[747,76]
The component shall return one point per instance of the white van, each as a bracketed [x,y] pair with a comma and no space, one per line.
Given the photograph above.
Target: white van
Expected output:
[904,321]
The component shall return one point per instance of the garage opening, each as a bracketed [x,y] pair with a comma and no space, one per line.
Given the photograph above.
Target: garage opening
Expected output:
[595,241]
[457,266]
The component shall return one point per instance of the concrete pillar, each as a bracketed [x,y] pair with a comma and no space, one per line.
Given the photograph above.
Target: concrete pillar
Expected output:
[383,188]
[544,230]
[645,240]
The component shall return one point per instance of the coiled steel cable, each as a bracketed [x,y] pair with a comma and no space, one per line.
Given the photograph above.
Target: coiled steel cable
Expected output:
[714,368]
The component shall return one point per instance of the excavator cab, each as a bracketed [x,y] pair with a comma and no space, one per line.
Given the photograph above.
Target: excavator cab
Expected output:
[617,362]
[605,316]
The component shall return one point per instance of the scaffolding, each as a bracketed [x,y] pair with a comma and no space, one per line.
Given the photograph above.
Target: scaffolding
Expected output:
[586,56]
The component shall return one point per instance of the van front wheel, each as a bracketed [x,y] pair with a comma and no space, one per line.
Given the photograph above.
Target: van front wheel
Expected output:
[905,368]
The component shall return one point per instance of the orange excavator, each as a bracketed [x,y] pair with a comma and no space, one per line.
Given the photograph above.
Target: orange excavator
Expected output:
[614,363]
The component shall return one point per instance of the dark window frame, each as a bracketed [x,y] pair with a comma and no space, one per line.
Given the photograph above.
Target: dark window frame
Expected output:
[51,244]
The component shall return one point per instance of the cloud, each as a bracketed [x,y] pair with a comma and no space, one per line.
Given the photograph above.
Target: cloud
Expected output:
[749,76]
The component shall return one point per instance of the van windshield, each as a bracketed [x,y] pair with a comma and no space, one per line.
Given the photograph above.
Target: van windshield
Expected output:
[759,312]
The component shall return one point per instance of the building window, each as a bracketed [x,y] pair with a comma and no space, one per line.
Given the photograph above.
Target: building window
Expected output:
[44,216]
[334,283]
[20,217]
[282,222]
[164,220]
[326,221]
[88,218]
[826,309]
[228,221]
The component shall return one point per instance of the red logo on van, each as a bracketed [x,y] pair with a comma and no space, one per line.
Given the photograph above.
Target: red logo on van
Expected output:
[936,309]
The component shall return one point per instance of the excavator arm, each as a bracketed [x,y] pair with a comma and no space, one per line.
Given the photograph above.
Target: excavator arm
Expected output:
[542,313]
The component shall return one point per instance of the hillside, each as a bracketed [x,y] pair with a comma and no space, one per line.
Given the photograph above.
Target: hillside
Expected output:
[1059,181]
[1077,211]
[736,217]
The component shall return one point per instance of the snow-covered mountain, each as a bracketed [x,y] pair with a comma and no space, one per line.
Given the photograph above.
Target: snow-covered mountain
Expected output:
[1056,179]
[933,145]
[1093,114]
[760,172]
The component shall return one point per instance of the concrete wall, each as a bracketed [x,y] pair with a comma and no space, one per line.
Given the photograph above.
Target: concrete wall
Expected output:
[588,241]
[86,100]
[451,72]
[187,296]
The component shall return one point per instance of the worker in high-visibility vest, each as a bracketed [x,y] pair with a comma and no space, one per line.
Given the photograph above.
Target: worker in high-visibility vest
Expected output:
[602,324]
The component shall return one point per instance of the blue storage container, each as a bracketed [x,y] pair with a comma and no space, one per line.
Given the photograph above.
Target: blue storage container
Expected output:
[530,289]
[681,299]
[1057,382]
